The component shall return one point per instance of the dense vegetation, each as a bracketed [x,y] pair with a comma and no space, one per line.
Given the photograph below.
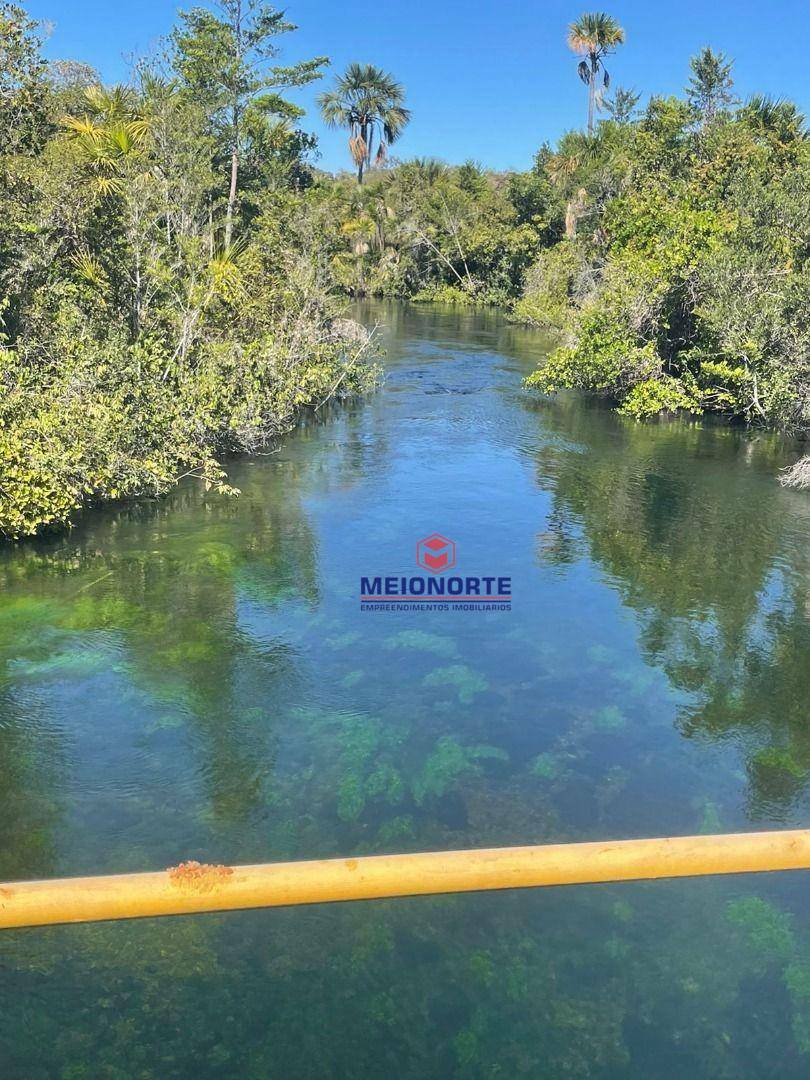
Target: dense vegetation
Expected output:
[669,247]
[169,254]
[163,298]
[428,231]
[684,281]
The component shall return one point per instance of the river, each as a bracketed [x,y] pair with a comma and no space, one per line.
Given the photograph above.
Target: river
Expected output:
[195,679]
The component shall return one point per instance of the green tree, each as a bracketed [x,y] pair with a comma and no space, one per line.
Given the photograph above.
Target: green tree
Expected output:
[709,90]
[776,121]
[593,36]
[23,90]
[622,106]
[693,292]
[225,63]
[369,102]
[67,81]
[107,134]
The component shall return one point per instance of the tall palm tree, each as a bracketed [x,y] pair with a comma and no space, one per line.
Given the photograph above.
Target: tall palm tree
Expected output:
[592,37]
[370,103]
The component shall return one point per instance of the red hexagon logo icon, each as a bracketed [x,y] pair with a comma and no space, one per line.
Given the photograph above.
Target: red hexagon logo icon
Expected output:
[436,553]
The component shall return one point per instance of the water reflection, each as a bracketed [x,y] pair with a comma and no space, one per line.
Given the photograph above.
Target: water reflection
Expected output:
[712,556]
[193,679]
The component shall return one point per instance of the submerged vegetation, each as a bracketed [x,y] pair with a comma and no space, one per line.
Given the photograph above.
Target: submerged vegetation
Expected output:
[189,679]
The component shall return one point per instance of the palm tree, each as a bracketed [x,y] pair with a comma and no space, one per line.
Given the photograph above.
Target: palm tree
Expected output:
[774,118]
[592,37]
[370,103]
[110,131]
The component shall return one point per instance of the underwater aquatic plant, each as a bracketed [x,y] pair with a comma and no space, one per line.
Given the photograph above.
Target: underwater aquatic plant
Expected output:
[467,682]
[422,641]
[448,763]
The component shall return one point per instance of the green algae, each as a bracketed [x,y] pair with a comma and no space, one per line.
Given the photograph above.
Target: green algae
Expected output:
[710,821]
[462,678]
[449,763]
[422,641]
[344,641]
[610,718]
[547,766]
[211,556]
[778,759]
[167,722]
[768,932]
[76,663]
[397,830]
[600,654]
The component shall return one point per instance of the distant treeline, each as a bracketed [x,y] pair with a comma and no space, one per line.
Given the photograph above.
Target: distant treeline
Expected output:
[669,249]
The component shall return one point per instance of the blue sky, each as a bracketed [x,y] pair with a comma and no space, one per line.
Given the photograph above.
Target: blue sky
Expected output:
[485,80]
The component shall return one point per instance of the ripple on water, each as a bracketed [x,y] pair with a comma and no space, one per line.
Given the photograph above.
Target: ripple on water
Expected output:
[192,679]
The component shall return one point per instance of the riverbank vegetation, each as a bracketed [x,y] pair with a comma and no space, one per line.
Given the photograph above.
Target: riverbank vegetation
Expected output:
[667,245]
[685,274]
[668,248]
[164,302]
[172,261]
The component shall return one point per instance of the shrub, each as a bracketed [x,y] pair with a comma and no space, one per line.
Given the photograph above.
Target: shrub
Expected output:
[549,287]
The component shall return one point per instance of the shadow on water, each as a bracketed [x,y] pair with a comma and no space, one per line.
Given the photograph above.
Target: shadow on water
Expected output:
[193,679]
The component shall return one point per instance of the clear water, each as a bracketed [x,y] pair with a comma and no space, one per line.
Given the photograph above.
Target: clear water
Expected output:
[194,679]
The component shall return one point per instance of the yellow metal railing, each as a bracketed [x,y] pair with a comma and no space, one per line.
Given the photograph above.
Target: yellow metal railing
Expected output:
[192,888]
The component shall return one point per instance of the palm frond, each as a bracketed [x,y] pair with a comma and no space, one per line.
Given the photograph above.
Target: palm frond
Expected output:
[774,117]
[368,101]
[89,268]
[225,273]
[358,149]
[81,125]
[108,185]
[594,33]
